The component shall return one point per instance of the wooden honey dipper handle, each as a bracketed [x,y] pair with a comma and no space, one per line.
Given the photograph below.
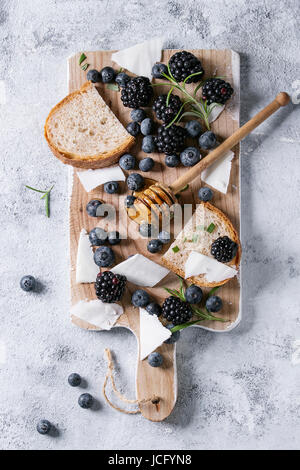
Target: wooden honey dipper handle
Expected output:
[282,99]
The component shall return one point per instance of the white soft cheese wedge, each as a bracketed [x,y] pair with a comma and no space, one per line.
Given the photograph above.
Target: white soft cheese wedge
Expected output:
[152,333]
[218,174]
[86,269]
[141,271]
[215,113]
[91,179]
[139,59]
[97,313]
[214,271]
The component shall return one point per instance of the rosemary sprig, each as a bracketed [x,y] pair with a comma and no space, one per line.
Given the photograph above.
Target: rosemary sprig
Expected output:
[46,196]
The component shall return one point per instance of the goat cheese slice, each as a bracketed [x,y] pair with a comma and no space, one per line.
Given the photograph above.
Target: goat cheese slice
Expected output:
[139,59]
[91,179]
[218,174]
[141,271]
[97,313]
[215,113]
[152,333]
[86,269]
[214,271]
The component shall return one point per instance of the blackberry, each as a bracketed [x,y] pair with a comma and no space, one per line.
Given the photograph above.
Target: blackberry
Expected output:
[170,140]
[167,113]
[137,92]
[176,311]
[110,287]
[182,64]
[224,249]
[216,90]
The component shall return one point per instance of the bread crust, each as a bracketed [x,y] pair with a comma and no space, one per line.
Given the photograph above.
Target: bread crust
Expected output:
[92,161]
[234,262]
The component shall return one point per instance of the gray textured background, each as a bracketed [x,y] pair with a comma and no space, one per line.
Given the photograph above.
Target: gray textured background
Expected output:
[237,390]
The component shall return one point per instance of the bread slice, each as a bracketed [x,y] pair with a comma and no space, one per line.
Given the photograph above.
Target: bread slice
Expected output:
[194,237]
[81,130]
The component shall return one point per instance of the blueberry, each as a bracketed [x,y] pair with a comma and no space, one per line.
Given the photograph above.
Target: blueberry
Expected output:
[158,69]
[104,256]
[44,426]
[190,156]
[172,161]
[85,401]
[164,237]
[107,74]
[154,246]
[207,140]
[127,162]
[111,187]
[214,303]
[74,380]
[135,181]
[205,194]
[147,126]
[175,336]
[114,238]
[133,128]
[121,79]
[129,201]
[92,207]
[148,145]
[154,309]
[138,115]
[155,359]
[97,236]
[145,229]
[140,298]
[193,128]
[28,283]
[193,294]
[93,76]
[146,164]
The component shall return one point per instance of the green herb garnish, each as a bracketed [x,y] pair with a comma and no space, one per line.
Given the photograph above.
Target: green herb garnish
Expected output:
[211,228]
[84,67]
[175,249]
[195,238]
[82,58]
[113,87]
[46,196]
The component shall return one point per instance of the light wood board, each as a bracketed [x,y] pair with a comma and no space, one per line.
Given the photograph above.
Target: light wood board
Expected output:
[155,381]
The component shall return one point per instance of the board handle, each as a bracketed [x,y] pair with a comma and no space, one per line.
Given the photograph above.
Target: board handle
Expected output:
[282,99]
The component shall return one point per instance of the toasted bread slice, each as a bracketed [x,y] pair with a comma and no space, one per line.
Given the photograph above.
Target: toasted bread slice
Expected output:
[195,237]
[81,130]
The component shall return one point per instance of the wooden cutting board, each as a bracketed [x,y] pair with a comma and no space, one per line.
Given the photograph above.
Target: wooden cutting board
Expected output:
[151,381]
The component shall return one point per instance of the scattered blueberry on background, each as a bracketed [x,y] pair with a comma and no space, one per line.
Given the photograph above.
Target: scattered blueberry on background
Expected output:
[86,401]
[129,201]
[94,76]
[155,359]
[114,238]
[107,74]
[193,128]
[193,294]
[138,115]
[133,128]
[121,79]
[135,181]
[104,256]
[74,380]
[172,160]
[207,141]
[44,426]
[28,283]
[154,246]
[148,144]
[92,207]
[111,187]
[205,194]
[190,156]
[97,236]
[147,126]
[214,303]
[127,162]
[140,298]
[146,164]
[154,309]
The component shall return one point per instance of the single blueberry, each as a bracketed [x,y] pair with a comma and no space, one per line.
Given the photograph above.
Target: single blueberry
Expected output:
[164,237]
[158,69]
[208,140]
[138,115]
[28,283]
[193,294]
[93,76]
[154,246]
[74,380]
[92,207]
[135,181]
[97,236]
[214,303]
[133,128]
[148,144]
[145,229]
[121,79]
[114,238]
[190,156]
[147,126]
[107,74]
[127,162]
[111,187]
[155,359]
[104,256]
[154,309]
[140,298]
[193,128]
[129,201]
[146,164]
[175,336]
[172,161]
[85,401]
[205,194]
[44,426]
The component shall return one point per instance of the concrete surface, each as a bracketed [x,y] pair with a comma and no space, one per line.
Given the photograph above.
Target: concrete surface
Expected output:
[236,391]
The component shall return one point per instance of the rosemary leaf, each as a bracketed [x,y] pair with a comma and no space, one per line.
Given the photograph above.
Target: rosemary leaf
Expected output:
[113,87]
